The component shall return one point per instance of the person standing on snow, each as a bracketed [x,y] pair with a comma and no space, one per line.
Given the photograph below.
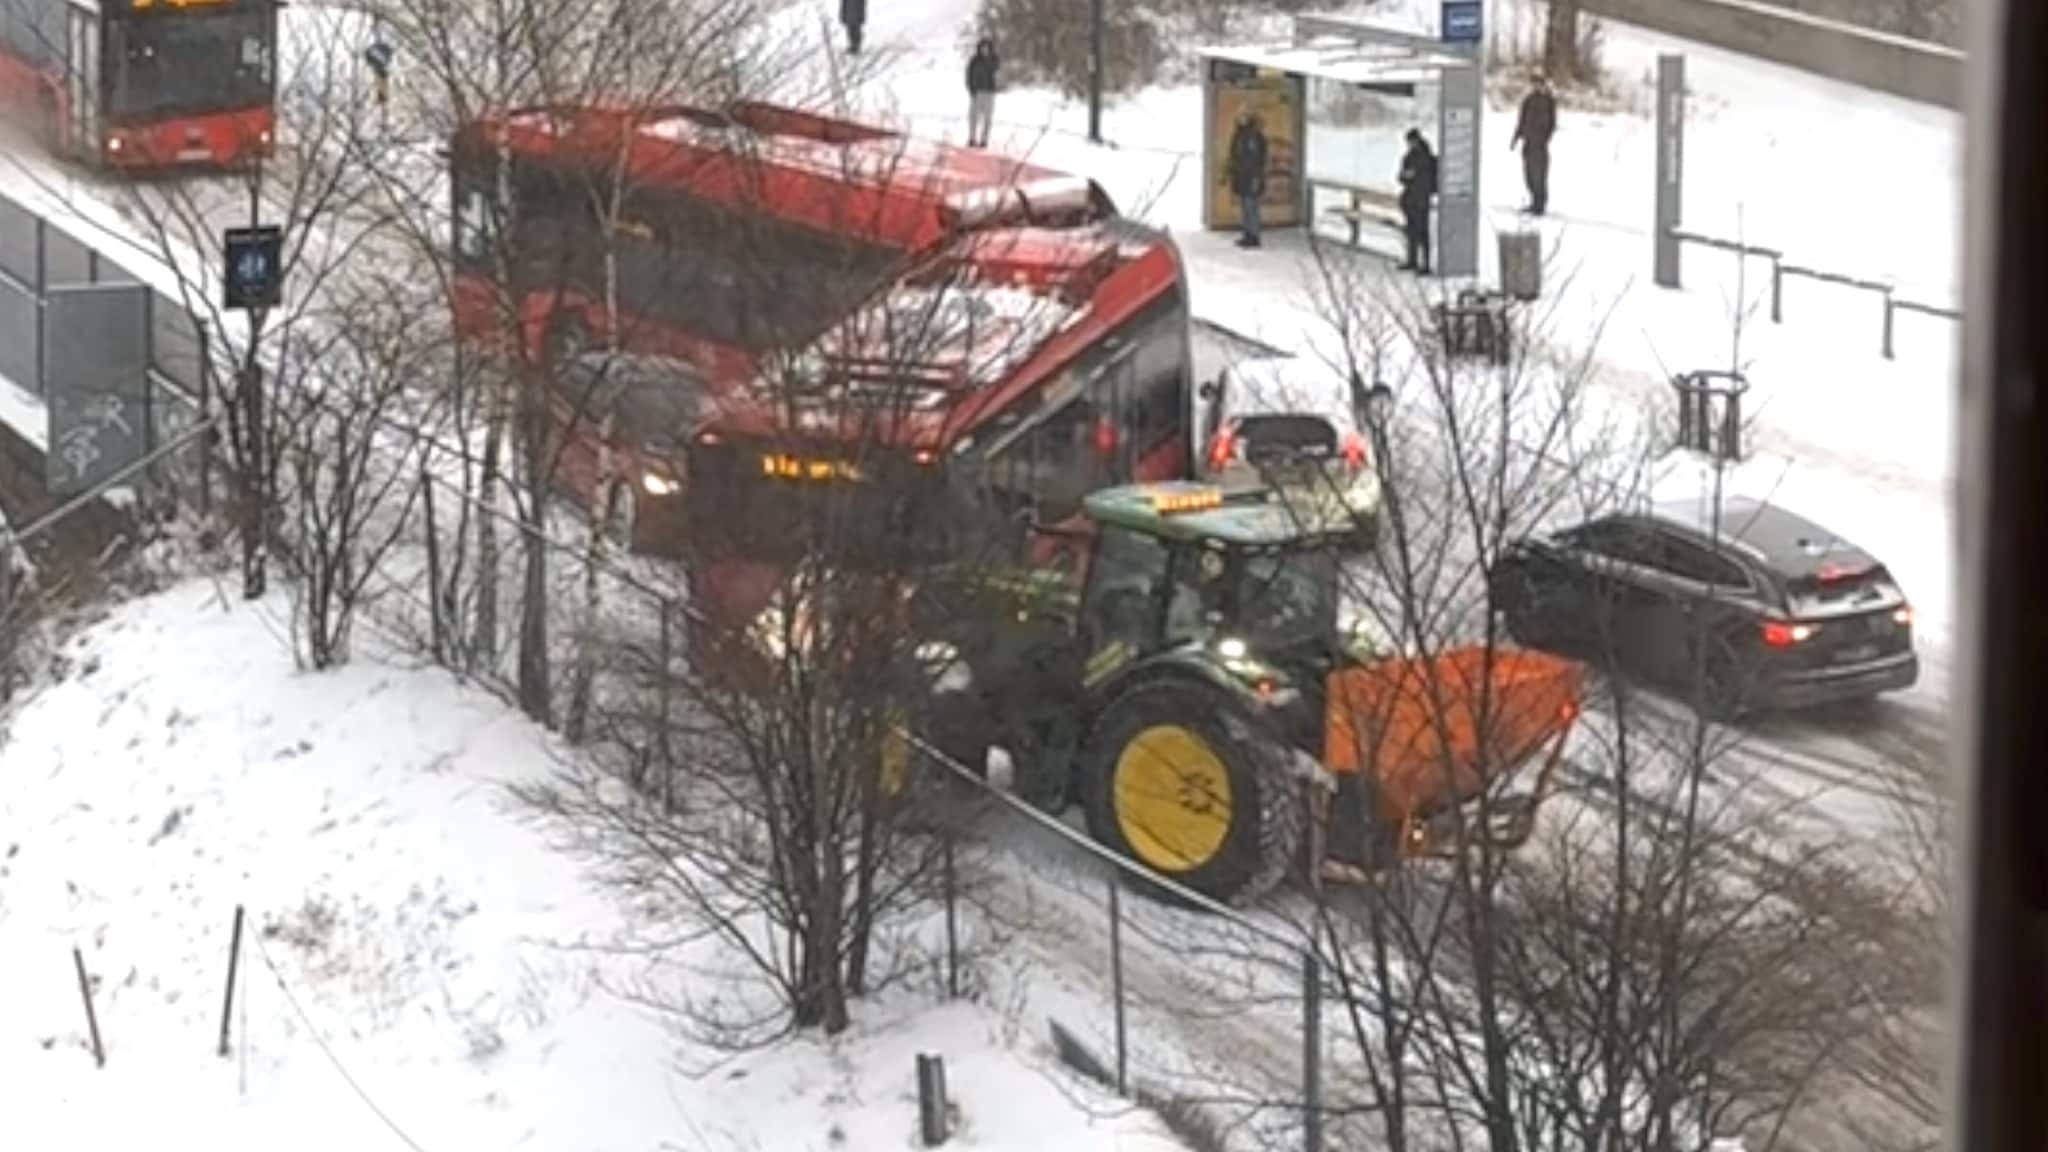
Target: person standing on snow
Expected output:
[1533,129]
[981,92]
[1418,189]
[1245,169]
[854,15]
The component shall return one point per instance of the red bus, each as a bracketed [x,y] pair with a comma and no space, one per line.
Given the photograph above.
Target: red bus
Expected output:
[143,84]
[1055,358]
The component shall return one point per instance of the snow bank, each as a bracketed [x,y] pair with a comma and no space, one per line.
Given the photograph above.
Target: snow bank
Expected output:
[415,948]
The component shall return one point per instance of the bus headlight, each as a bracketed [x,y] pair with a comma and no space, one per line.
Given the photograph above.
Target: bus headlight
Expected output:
[659,485]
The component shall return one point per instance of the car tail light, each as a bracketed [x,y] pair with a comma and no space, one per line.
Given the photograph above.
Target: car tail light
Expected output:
[1903,615]
[1779,634]
[1354,452]
[1222,448]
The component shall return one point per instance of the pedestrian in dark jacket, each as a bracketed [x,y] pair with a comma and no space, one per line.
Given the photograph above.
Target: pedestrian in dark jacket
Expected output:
[1533,129]
[853,14]
[981,92]
[1418,189]
[1246,171]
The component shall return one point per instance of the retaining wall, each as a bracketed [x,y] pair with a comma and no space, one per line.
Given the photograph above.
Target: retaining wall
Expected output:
[1916,70]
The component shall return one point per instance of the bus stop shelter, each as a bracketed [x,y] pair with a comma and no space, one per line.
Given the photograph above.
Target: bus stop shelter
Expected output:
[1335,102]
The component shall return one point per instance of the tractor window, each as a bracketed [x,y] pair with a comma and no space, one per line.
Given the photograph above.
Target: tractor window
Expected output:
[1201,585]
[1286,599]
[1123,591]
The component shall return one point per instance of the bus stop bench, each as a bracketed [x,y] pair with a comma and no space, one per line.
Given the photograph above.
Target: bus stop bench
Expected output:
[1366,206]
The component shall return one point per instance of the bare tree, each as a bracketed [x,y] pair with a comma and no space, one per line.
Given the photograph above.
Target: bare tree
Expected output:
[285,445]
[350,455]
[1669,959]
[823,533]
[554,272]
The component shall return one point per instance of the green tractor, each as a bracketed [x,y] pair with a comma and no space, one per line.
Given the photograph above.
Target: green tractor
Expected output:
[1190,689]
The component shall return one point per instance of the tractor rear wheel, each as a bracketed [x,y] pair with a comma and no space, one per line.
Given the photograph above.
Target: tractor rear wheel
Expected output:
[1176,778]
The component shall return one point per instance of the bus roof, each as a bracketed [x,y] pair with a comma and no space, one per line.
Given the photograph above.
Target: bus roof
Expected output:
[909,191]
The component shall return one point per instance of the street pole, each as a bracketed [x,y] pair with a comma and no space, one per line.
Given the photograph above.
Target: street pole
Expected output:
[253,518]
[1095,66]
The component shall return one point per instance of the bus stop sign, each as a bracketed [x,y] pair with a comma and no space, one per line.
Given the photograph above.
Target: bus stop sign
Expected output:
[255,267]
[1463,21]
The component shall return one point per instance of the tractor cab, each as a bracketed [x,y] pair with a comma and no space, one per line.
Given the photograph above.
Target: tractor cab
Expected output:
[1232,581]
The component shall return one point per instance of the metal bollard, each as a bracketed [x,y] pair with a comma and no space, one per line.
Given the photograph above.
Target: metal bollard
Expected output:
[931,1099]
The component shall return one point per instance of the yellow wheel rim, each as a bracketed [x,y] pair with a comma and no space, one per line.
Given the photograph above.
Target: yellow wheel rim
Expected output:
[1173,801]
[895,757]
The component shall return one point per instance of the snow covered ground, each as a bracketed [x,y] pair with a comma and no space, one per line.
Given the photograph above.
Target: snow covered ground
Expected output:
[425,934]
[421,968]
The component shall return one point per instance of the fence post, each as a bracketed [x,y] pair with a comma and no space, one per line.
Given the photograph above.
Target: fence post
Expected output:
[1889,312]
[1311,1052]
[92,1019]
[42,271]
[931,1099]
[952,927]
[205,413]
[227,1007]
[1777,290]
[666,654]
[437,636]
[1116,979]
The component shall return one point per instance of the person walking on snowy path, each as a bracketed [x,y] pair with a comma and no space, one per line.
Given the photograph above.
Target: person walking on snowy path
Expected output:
[1533,129]
[1418,189]
[981,92]
[1246,171]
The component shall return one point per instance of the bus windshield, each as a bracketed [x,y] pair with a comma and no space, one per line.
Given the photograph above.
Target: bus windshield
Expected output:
[185,64]
[758,502]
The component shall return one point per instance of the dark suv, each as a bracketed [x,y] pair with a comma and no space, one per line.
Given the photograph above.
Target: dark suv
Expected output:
[1765,609]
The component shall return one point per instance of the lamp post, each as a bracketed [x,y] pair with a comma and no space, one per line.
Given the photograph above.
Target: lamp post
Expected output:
[1095,67]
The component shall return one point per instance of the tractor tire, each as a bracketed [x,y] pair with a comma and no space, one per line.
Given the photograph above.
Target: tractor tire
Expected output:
[1174,777]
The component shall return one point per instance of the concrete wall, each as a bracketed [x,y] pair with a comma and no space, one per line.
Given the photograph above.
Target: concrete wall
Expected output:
[1929,73]
[74,543]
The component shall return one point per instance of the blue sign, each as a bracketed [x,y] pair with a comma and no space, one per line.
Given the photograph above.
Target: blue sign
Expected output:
[1463,21]
[255,267]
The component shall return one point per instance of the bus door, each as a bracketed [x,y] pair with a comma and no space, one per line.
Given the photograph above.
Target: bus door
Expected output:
[1113,387]
[81,135]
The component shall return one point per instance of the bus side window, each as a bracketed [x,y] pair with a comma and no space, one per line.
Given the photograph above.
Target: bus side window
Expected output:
[472,225]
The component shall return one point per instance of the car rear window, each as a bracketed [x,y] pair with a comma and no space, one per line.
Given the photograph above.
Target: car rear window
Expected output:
[1838,585]
[1306,435]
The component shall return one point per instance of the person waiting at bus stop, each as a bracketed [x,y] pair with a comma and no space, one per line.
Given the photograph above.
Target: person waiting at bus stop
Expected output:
[1245,169]
[1418,189]
[1533,130]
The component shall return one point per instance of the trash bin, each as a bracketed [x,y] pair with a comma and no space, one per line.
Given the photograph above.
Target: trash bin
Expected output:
[1521,265]
[1477,326]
